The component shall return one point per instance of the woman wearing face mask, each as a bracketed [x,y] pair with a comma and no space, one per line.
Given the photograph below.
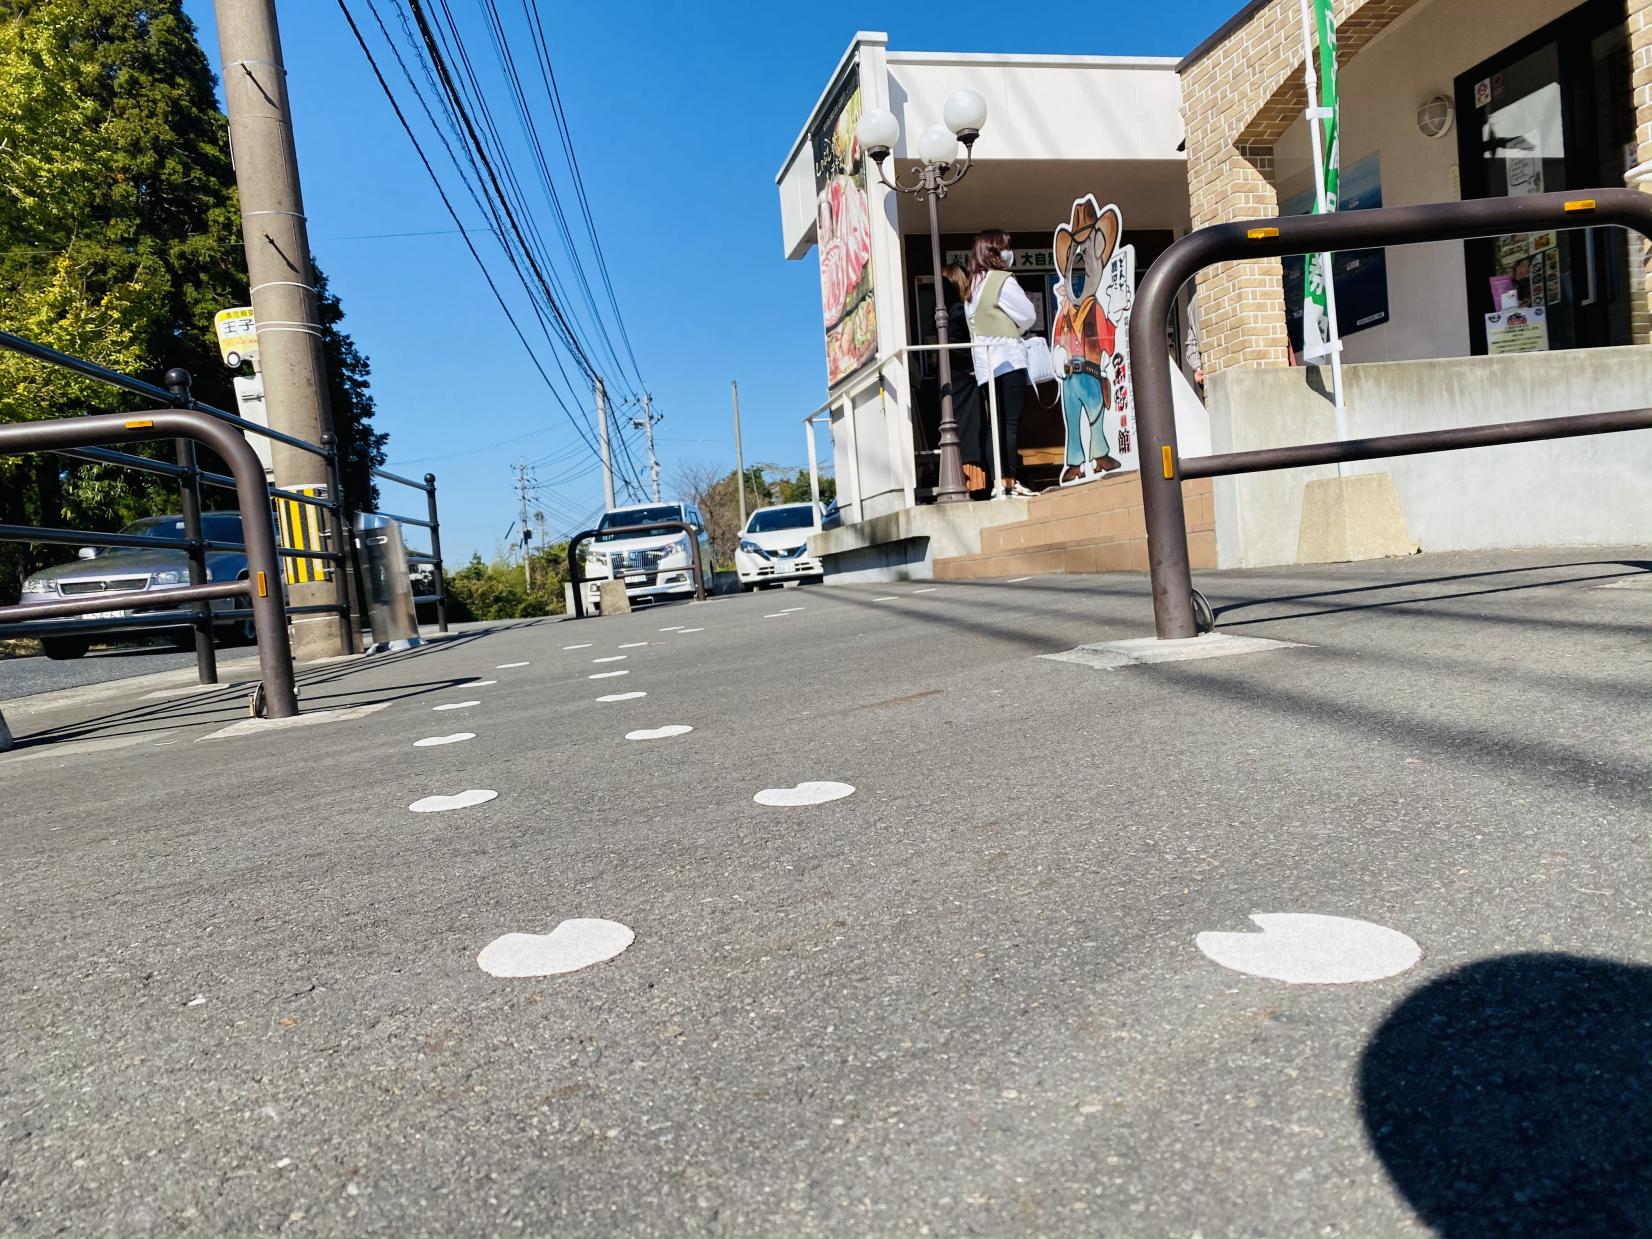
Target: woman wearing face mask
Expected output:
[999,312]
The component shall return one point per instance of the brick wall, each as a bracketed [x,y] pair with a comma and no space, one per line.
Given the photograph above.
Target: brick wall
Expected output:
[1238,99]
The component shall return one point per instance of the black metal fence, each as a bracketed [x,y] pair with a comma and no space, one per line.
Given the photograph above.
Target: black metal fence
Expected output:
[1162,468]
[337,551]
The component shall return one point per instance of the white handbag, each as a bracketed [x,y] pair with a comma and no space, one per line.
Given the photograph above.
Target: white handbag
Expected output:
[1040,365]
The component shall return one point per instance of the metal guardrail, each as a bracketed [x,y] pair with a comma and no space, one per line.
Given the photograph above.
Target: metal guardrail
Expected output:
[262,587]
[190,478]
[577,579]
[1163,470]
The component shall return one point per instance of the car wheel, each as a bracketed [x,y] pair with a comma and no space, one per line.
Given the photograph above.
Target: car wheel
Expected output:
[62,649]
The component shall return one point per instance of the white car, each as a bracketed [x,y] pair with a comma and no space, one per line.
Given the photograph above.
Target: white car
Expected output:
[774,546]
[655,564]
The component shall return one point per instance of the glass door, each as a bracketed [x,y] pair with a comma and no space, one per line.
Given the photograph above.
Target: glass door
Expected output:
[1543,116]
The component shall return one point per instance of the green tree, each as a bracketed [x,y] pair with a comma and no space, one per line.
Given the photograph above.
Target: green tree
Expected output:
[496,591]
[797,490]
[120,238]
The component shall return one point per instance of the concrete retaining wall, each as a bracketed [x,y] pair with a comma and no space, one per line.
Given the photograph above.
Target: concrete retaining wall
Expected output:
[1567,492]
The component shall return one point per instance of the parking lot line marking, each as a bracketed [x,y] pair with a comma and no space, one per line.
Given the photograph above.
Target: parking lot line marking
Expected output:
[612,658]
[457,705]
[586,646]
[622,696]
[607,675]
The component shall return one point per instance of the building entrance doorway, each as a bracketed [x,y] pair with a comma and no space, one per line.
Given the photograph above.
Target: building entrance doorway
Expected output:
[1553,112]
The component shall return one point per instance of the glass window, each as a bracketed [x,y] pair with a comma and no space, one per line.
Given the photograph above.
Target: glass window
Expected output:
[638,516]
[772,520]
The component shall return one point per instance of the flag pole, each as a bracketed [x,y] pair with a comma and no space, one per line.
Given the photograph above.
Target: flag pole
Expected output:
[1323,299]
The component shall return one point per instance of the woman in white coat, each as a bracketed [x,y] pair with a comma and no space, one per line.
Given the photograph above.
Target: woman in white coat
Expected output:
[999,313]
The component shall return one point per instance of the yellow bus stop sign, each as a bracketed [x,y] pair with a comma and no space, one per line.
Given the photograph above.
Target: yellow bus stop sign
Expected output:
[237,336]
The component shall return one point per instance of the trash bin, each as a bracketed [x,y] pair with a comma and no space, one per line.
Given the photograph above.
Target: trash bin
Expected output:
[388,585]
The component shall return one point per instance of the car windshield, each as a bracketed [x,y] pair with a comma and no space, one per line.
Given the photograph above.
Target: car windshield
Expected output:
[215,527]
[628,517]
[773,520]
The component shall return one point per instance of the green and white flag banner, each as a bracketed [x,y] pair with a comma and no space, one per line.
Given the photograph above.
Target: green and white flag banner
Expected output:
[1318,332]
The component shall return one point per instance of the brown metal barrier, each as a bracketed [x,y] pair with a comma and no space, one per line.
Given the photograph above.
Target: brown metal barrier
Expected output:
[263,585]
[1162,469]
[576,579]
[190,478]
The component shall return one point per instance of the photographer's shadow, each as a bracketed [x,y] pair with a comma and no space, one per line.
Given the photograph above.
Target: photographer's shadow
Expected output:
[1513,1098]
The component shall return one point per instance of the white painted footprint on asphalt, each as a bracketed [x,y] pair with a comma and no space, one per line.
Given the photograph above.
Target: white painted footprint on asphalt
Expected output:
[659,733]
[1303,948]
[476,683]
[464,800]
[606,675]
[803,794]
[457,705]
[572,945]
[430,742]
[586,646]
[632,645]
[508,666]
[622,696]
[686,631]
[612,658]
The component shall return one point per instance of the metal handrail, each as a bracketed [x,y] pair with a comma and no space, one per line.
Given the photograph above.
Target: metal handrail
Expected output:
[1163,471]
[263,584]
[576,578]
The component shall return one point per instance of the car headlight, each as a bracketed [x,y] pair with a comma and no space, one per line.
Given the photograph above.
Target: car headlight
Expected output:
[751,548]
[169,576]
[38,585]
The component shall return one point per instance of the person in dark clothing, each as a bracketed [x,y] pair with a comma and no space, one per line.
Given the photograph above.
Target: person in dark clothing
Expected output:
[966,394]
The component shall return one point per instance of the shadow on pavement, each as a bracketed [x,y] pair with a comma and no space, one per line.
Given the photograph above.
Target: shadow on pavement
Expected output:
[1513,1098]
[1625,568]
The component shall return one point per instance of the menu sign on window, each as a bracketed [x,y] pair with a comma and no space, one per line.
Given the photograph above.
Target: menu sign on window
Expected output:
[1518,331]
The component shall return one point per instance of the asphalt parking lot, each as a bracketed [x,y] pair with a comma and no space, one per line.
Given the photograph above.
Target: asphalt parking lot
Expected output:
[969,997]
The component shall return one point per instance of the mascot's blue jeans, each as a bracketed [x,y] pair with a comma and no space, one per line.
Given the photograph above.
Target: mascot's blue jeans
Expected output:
[1081,404]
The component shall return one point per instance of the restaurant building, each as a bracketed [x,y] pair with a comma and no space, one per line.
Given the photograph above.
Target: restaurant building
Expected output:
[1440,100]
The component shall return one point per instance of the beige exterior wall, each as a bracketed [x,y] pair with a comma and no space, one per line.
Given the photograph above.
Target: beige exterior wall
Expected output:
[1247,145]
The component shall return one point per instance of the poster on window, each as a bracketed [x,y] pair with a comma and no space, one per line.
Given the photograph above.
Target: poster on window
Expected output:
[843,220]
[1360,277]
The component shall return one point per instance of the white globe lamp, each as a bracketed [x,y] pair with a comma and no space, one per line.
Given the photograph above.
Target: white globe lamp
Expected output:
[937,145]
[878,132]
[965,114]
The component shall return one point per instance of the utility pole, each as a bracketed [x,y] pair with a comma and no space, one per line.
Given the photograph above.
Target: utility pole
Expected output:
[646,421]
[739,458]
[276,238]
[522,520]
[607,464]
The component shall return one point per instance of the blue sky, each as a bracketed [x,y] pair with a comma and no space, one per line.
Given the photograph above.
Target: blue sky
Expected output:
[681,115]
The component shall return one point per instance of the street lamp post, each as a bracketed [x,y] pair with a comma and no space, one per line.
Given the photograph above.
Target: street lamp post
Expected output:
[878,131]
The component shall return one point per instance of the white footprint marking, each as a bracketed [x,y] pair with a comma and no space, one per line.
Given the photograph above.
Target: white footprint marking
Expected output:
[659,733]
[457,705]
[612,658]
[430,742]
[622,696]
[572,945]
[1303,948]
[441,804]
[803,794]
[607,675]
